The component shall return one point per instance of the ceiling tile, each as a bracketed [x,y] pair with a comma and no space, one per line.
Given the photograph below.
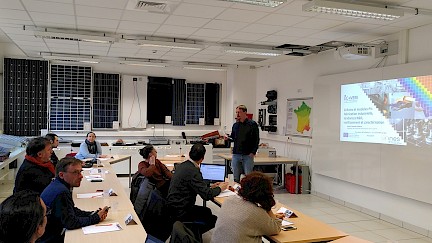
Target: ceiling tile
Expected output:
[14,14]
[179,54]
[52,18]
[241,15]
[55,25]
[282,19]
[276,39]
[176,30]
[297,32]
[11,4]
[64,50]
[29,43]
[197,10]
[93,52]
[144,17]
[309,41]
[319,24]
[262,28]
[353,27]
[331,35]
[246,36]
[95,22]
[212,33]
[37,49]
[48,7]
[117,4]
[186,21]
[225,25]
[17,31]
[97,12]
[413,22]
[129,25]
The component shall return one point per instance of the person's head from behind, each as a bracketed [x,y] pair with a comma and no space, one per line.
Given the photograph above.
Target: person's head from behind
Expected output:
[197,152]
[39,148]
[241,113]
[91,137]
[70,170]
[257,188]
[53,139]
[148,151]
[22,218]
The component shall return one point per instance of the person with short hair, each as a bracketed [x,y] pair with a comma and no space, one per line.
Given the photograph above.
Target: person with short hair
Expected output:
[58,198]
[248,216]
[245,134]
[90,148]
[36,172]
[187,182]
[54,144]
[153,169]
[22,218]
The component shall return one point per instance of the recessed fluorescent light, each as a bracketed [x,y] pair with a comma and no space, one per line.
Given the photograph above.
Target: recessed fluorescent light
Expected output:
[74,37]
[252,51]
[353,10]
[170,44]
[206,68]
[143,64]
[70,58]
[264,3]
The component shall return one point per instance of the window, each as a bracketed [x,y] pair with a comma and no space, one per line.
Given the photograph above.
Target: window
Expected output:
[106,99]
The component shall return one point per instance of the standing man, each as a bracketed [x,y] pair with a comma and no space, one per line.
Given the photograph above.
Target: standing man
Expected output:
[245,135]
[36,172]
[58,198]
[187,182]
[54,144]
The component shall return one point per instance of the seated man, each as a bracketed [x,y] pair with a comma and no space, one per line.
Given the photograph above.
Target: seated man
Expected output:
[54,144]
[36,171]
[187,182]
[58,198]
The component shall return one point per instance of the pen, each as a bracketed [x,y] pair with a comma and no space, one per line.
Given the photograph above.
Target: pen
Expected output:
[96,211]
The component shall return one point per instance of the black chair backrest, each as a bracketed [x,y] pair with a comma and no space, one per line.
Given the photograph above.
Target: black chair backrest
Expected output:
[157,220]
[182,234]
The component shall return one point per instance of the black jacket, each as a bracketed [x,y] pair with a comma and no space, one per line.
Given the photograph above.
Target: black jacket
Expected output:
[64,215]
[245,136]
[32,177]
[186,183]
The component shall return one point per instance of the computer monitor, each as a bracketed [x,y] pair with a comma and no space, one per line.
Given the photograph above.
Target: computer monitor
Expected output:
[213,172]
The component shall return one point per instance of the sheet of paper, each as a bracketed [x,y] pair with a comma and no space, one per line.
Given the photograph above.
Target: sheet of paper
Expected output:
[104,159]
[226,193]
[99,178]
[285,222]
[93,176]
[90,195]
[100,228]
[172,165]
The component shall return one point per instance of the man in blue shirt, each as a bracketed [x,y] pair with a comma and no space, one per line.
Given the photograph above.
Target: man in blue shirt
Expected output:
[245,135]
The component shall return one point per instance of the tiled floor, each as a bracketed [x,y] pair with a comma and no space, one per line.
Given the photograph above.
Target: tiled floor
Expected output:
[348,220]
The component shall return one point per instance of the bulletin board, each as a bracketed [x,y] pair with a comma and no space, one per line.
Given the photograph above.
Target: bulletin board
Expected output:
[299,117]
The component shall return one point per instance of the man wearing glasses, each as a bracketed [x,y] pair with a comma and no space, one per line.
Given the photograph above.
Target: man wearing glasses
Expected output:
[58,198]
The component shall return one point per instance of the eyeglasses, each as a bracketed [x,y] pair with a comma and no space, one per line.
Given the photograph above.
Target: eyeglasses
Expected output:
[76,172]
[48,213]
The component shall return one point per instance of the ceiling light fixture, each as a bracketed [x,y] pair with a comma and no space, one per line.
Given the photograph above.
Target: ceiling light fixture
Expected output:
[70,58]
[353,10]
[264,3]
[142,64]
[74,37]
[170,44]
[252,51]
[204,66]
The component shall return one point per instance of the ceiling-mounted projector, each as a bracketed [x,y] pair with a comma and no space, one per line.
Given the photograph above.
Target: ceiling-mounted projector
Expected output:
[354,52]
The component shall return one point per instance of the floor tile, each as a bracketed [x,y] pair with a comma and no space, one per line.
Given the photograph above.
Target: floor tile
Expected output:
[398,234]
[374,224]
[347,227]
[370,236]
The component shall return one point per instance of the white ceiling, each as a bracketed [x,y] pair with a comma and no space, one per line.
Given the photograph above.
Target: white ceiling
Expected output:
[210,21]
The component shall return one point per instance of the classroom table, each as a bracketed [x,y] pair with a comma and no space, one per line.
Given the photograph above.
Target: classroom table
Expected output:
[308,228]
[350,239]
[170,160]
[261,159]
[120,208]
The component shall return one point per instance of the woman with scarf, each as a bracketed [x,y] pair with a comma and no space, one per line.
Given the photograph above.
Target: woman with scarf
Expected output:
[90,148]
[36,172]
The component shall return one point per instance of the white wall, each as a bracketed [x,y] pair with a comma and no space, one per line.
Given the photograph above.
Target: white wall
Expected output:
[295,79]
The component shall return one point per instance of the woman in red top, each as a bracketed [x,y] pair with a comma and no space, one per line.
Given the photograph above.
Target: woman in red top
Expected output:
[153,169]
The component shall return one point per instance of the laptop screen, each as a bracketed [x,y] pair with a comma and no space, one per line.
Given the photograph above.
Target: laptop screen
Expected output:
[213,172]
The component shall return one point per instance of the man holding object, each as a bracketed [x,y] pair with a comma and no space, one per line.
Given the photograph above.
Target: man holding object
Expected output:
[58,198]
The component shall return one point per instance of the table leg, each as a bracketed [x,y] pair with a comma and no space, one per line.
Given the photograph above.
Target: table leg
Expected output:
[130,170]
[226,168]
[296,177]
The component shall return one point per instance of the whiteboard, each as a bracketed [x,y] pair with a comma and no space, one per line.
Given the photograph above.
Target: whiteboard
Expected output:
[299,117]
[400,170]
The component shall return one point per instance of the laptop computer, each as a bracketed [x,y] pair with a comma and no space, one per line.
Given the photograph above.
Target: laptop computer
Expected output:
[213,172]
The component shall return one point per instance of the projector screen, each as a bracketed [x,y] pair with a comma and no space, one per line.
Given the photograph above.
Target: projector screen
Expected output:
[394,111]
